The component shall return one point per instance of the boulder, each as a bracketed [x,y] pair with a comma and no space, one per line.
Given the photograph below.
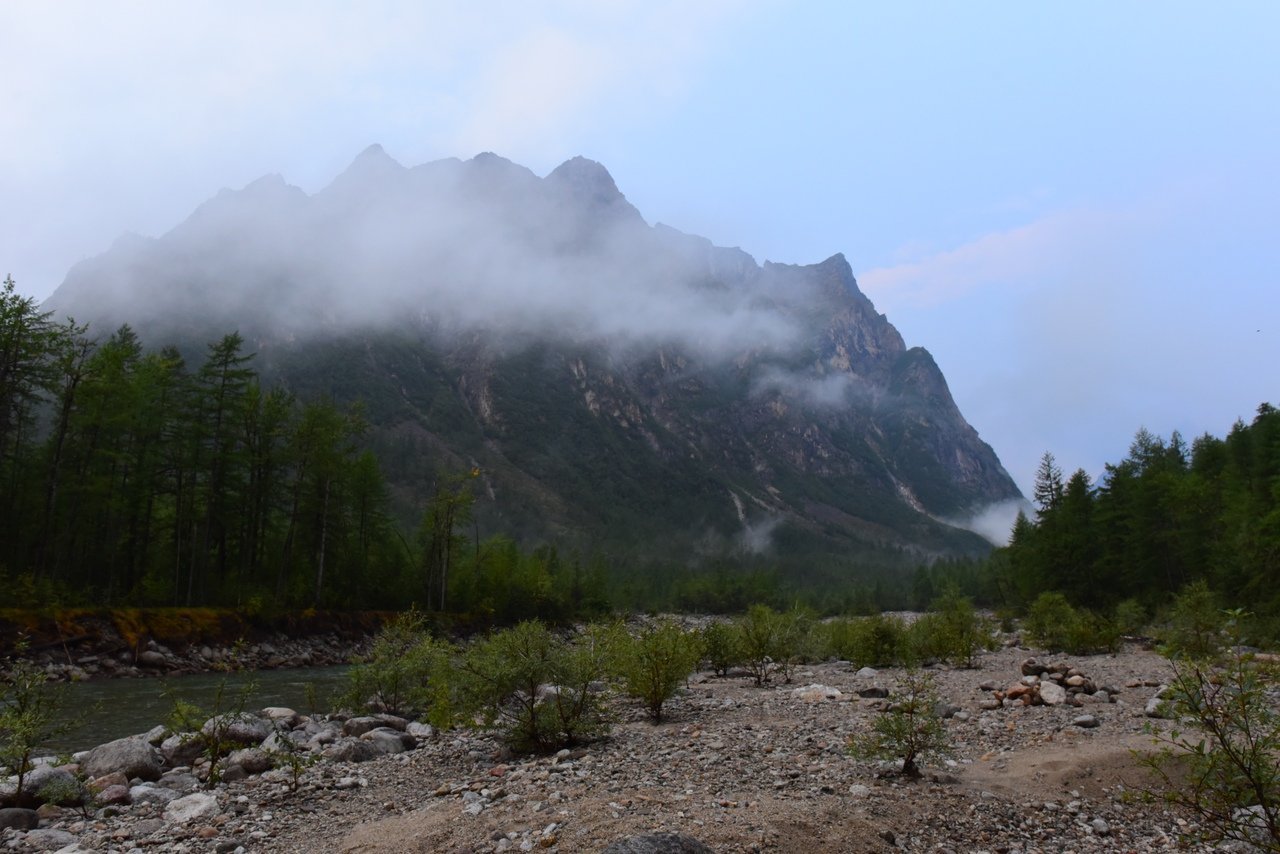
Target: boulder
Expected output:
[181,749]
[252,759]
[149,794]
[19,819]
[873,692]
[192,807]
[352,750]
[113,795]
[132,756]
[420,731]
[359,726]
[657,843]
[816,693]
[281,715]
[50,839]
[1052,694]
[388,740]
[151,658]
[242,728]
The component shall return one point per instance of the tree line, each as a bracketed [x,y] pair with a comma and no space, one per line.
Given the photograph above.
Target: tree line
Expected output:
[1164,518]
[131,477]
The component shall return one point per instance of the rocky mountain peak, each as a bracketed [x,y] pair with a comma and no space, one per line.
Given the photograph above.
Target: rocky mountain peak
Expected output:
[589,183]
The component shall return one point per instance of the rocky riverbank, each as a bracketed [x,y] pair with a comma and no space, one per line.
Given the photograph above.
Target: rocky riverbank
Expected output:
[736,767]
[75,645]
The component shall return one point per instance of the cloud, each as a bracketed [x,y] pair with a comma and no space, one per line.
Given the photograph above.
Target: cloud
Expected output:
[123,117]
[1017,257]
[995,521]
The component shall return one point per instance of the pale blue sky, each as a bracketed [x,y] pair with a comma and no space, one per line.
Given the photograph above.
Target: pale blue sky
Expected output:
[1074,207]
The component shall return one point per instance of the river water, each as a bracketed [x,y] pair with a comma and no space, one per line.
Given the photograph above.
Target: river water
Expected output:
[114,708]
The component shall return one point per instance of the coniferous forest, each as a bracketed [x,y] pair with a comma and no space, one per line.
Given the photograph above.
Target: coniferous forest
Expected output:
[135,477]
[1166,518]
[132,477]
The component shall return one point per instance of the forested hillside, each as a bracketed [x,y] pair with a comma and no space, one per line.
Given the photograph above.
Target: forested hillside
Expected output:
[1166,516]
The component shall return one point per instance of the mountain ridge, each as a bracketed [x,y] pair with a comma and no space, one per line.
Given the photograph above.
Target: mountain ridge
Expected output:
[614,380]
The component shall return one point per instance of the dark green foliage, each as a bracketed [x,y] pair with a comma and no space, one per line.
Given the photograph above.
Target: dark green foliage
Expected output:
[722,646]
[877,641]
[911,730]
[1219,761]
[407,672]
[656,662]
[952,631]
[1053,623]
[1165,516]
[1195,625]
[539,690]
[31,714]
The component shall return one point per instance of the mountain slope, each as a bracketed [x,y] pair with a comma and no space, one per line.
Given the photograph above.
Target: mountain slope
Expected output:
[619,385]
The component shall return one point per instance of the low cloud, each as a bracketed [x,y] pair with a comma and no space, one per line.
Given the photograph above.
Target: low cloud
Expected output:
[995,521]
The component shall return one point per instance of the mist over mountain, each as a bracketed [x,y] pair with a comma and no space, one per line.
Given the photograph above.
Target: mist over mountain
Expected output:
[618,384]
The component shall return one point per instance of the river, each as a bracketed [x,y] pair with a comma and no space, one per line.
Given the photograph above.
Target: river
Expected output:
[114,708]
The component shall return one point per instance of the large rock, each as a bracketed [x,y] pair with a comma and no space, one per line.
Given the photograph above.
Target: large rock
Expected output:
[191,807]
[388,740]
[50,839]
[242,728]
[252,759]
[131,756]
[1052,694]
[148,794]
[657,843]
[352,750]
[182,748]
[19,819]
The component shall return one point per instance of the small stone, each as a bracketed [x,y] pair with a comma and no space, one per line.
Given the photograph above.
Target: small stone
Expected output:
[1100,826]
[1085,722]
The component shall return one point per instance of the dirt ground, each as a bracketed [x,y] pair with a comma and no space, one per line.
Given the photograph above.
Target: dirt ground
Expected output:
[747,769]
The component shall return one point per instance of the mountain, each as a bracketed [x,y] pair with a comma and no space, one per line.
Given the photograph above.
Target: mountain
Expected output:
[619,385]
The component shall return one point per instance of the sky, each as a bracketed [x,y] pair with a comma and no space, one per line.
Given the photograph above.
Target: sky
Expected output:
[1074,207]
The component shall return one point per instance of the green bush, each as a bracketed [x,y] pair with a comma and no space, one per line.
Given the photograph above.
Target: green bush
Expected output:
[757,633]
[878,641]
[1049,620]
[1223,765]
[1130,617]
[407,672]
[31,715]
[653,664]
[953,632]
[537,689]
[1054,624]
[1195,623]
[722,646]
[910,730]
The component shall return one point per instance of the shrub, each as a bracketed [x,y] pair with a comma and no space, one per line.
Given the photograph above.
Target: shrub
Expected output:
[653,664]
[952,632]
[910,730]
[1223,768]
[721,645]
[1195,623]
[757,632]
[537,689]
[31,714]
[1130,617]
[877,641]
[210,728]
[1049,621]
[406,673]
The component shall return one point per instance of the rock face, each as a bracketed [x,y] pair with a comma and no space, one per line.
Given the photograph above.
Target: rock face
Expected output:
[540,330]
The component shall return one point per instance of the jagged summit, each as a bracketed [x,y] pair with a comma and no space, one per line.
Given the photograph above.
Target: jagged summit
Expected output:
[617,382]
